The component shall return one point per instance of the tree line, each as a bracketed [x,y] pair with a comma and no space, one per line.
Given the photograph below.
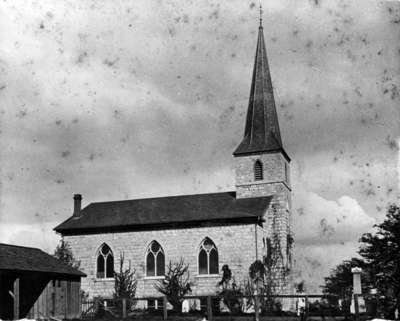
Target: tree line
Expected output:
[380,262]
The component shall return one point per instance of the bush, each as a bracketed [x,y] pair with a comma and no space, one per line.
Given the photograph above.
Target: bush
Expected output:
[125,284]
[176,284]
[230,293]
[63,252]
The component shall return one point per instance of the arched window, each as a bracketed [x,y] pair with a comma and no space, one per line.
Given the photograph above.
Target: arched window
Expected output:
[287,173]
[268,251]
[208,257]
[258,171]
[155,260]
[105,262]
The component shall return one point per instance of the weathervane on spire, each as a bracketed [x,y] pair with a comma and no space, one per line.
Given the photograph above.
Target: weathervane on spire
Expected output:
[261,12]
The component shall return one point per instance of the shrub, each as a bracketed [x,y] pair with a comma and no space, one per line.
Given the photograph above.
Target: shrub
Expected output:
[63,252]
[230,293]
[125,284]
[176,284]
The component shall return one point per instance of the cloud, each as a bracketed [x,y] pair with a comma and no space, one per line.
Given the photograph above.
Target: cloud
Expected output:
[321,221]
[398,164]
[313,262]
[31,235]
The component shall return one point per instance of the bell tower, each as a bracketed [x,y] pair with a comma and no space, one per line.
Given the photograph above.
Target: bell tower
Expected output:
[262,165]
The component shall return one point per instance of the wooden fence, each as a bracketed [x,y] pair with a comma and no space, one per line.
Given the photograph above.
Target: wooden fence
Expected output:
[120,308]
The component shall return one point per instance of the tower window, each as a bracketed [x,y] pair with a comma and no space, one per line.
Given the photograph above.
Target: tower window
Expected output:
[155,260]
[258,171]
[268,251]
[105,262]
[287,173]
[289,246]
[208,257]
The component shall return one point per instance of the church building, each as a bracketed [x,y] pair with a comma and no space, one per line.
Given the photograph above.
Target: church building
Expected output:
[207,231]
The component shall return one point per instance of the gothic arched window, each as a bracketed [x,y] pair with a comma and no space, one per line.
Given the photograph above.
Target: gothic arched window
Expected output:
[208,257]
[287,173]
[105,262]
[268,251]
[258,171]
[155,260]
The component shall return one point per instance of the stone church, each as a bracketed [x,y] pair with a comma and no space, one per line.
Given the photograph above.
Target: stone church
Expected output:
[207,231]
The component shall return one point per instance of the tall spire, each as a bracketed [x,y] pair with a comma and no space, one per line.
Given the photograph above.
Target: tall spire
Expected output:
[262,132]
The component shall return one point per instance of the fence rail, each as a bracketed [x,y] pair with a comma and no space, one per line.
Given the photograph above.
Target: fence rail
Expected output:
[301,306]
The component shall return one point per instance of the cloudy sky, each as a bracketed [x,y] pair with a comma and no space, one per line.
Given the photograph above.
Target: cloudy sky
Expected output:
[130,99]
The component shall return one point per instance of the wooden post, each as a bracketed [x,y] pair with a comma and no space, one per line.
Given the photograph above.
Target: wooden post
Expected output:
[305,308]
[124,308]
[209,309]
[256,306]
[16,299]
[96,306]
[65,293]
[165,314]
[80,300]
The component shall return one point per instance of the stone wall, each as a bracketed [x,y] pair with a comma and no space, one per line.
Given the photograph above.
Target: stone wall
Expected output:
[274,169]
[235,243]
[278,218]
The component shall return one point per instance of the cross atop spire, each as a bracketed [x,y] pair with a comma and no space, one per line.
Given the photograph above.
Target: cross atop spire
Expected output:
[262,132]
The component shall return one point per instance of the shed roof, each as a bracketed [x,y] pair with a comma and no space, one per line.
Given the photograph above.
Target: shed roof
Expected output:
[161,211]
[28,259]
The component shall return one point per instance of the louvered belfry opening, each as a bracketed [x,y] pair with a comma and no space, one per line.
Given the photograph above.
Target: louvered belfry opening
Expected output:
[258,171]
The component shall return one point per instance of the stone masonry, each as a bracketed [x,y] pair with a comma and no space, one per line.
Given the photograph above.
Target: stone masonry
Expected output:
[236,246]
[278,220]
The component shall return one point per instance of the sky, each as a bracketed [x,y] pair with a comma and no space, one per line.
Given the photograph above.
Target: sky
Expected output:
[130,99]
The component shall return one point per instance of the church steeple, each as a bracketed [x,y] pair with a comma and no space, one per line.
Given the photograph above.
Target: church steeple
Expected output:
[262,132]
[262,167]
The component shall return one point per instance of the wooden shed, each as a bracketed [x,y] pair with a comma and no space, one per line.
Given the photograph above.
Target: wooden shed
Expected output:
[35,284]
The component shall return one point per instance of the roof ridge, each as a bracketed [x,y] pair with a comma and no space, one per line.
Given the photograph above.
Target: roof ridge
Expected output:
[159,197]
[22,246]
[166,211]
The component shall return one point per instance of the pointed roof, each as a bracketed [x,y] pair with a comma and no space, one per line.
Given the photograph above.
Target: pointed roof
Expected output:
[28,260]
[262,132]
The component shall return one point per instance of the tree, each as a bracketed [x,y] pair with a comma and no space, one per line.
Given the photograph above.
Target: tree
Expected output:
[339,284]
[230,292]
[257,271]
[257,280]
[275,273]
[380,261]
[175,284]
[125,283]
[226,276]
[381,252]
[63,252]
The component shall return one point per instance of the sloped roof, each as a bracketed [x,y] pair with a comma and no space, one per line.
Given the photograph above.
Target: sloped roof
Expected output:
[262,132]
[28,259]
[161,211]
